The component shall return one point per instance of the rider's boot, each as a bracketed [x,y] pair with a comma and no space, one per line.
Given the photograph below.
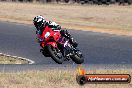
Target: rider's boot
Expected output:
[66,34]
[73,42]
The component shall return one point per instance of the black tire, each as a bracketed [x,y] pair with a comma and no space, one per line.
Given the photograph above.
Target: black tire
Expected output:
[77,59]
[53,56]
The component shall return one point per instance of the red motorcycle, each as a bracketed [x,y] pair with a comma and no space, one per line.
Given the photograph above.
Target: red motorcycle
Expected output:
[59,48]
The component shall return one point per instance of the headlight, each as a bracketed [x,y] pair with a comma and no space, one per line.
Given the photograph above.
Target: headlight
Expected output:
[47,34]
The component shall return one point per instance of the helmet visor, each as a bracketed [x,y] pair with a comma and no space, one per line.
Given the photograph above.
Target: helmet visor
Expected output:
[38,25]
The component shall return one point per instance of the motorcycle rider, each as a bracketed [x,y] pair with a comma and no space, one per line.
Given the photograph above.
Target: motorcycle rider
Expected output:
[40,23]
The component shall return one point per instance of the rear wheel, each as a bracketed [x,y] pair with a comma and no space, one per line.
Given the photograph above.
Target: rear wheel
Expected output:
[55,54]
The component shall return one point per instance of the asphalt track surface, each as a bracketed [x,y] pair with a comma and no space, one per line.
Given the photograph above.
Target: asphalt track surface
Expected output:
[98,48]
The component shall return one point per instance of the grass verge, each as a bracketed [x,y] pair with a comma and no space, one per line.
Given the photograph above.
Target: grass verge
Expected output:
[112,19]
[55,78]
[11,60]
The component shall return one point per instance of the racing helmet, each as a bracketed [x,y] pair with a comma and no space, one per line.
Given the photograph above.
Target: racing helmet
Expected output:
[39,22]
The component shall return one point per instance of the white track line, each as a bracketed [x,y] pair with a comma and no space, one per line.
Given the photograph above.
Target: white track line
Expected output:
[16,57]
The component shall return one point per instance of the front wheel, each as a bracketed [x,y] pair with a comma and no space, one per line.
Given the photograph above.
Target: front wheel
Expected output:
[77,58]
[55,54]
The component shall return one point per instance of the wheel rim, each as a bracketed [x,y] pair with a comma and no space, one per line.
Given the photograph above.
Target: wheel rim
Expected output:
[79,54]
[58,54]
